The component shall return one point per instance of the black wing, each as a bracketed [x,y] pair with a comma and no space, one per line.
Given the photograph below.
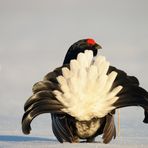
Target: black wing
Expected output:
[131,94]
[109,130]
[44,101]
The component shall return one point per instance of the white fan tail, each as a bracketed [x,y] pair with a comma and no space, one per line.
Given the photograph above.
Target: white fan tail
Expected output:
[87,88]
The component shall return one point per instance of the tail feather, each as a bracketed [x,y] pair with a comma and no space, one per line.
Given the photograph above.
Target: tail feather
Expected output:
[53,104]
[35,110]
[52,76]
[42,101]
[44,85]
[132,96]
[44,94]
[86,85]
[146,116]
[122,78]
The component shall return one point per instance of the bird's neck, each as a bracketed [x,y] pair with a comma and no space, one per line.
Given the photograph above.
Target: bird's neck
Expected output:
[71,54]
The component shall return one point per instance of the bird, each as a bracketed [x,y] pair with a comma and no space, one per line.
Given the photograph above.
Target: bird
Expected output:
[82,96]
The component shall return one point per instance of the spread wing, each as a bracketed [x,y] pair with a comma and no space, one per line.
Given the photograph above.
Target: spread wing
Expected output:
[131,94]
[109,130]
[44,101]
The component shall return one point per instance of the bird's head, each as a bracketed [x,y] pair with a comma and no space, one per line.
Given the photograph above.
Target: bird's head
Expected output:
[81,46]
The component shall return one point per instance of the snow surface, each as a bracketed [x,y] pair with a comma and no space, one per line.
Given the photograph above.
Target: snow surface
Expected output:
[133,133]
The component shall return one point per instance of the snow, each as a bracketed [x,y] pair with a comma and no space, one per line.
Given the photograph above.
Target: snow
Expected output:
[133,132]
[22,142]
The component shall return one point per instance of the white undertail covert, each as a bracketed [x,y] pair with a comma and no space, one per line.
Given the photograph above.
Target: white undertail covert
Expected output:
[86,88]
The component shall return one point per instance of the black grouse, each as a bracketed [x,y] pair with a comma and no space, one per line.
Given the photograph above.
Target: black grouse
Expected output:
[82,96]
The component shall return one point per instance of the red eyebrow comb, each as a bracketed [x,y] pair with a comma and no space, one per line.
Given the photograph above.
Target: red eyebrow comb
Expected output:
[91,41]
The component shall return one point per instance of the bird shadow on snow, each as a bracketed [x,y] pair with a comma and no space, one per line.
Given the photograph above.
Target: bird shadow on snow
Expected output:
[12,138]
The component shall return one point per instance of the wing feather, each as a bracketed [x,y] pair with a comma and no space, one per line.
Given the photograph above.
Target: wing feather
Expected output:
[44,101]
[131,94]
[109,131]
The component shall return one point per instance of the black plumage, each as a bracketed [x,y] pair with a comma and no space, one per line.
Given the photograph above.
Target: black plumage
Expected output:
[65,126]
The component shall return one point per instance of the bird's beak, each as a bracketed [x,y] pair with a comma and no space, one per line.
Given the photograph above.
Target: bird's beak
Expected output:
[97,46]
[95,49]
